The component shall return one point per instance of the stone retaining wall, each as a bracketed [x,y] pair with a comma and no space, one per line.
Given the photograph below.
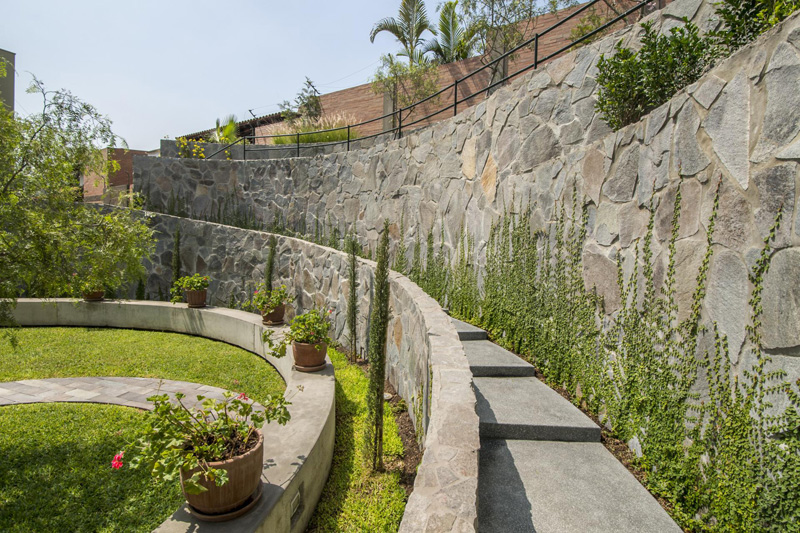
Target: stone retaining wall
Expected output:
[425,360]
[533,140]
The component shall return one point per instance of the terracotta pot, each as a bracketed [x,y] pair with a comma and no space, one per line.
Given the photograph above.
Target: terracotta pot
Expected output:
[196,299]
[275,317]
[93,296]
[244,482]
[309,358]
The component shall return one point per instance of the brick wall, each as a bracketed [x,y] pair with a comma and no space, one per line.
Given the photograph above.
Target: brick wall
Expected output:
[95,187]
[362,103]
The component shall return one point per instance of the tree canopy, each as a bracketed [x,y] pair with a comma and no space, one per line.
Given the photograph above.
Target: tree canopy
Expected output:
[411,22]
[51,243]
[453,41]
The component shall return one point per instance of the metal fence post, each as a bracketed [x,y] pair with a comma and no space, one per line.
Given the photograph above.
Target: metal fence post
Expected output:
[536,52]
[298,144]
[348,137]
[244,149]
[399,123]
[455,98]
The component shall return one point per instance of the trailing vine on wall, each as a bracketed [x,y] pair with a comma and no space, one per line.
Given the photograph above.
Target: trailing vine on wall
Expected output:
[725,460]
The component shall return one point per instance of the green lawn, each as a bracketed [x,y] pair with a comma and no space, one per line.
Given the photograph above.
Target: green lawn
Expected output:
[354,499]
[78,352]
[56,475]
[55,459]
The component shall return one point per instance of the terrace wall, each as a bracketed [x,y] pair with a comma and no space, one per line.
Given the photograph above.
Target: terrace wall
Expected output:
[425,360]
[532,141]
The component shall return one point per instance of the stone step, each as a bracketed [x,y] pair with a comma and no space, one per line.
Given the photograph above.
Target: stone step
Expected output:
[556,487]
[486,359]
[468,332]
[525,408]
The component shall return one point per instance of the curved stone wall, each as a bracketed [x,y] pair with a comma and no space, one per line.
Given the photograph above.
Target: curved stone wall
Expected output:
[531,141]
[425,359]
[296,455]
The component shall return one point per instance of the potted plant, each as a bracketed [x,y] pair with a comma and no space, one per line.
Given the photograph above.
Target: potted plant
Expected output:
[308,336]
[271,303]
[89,287]
[215,448]
[195,289]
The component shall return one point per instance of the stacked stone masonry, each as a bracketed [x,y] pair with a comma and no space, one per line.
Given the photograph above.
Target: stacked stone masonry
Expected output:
[425,360]
[533,140]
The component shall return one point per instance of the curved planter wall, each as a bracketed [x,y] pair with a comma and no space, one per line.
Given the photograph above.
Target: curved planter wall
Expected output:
[425,359]
[297,456]
[533,140]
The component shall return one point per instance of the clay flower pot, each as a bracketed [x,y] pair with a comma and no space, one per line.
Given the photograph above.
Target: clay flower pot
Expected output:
[196,299]
[235,497]
[93,296]
[309,358]
[275,317]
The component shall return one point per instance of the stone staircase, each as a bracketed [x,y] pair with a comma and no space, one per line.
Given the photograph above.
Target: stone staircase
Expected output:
[542,466]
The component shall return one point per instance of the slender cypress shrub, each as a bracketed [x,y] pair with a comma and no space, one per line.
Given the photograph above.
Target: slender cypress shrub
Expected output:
[416,264]
[352,299]
[270,267]
[379,322]
[176,257]
[400,260]
[140,292]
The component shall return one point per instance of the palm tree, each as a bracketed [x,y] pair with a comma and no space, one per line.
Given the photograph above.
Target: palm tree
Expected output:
[225,132]
[408,27]
[454,41]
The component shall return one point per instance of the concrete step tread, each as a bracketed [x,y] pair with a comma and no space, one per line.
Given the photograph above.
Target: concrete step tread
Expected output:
[468,332]
[486,359]
[555,487]
[526,408]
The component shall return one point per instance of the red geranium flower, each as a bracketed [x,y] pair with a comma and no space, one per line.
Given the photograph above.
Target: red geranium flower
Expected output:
[116,463]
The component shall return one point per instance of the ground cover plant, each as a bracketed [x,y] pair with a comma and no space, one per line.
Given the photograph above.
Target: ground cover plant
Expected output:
[74,352]
[55,474]
[355,498]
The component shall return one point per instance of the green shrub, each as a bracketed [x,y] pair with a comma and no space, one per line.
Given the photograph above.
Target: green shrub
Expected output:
[744,20]
[621,99]
[634,83]
[671,62]
[310,129]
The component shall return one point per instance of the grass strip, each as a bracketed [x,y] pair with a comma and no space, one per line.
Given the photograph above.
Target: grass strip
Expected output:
[354,498]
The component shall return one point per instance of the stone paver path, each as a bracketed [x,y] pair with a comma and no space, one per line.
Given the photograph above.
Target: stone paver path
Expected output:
[130,392]
[542,467]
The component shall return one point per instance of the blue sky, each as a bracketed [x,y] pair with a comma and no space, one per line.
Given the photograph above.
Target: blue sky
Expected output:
[173,67]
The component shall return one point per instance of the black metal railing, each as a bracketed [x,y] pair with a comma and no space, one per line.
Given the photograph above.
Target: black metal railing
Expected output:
[249,142]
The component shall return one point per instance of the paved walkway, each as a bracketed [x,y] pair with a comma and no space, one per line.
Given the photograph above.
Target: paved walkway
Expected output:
[542,467]
[130,392]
